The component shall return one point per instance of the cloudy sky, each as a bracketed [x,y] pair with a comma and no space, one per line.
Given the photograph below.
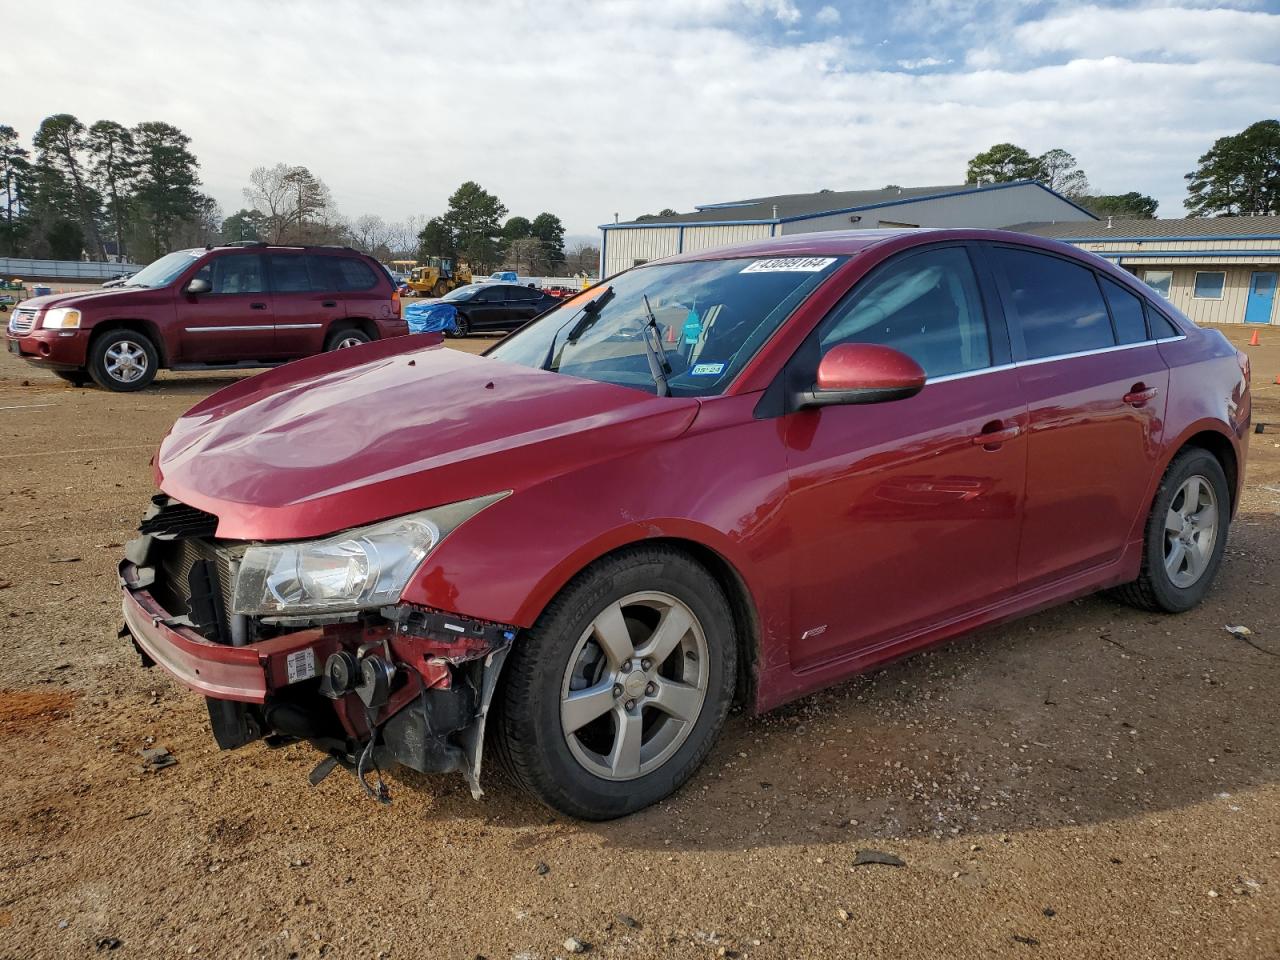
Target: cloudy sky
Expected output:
[628,106]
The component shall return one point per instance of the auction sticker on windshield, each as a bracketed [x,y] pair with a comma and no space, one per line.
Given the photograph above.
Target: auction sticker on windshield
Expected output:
[789,265]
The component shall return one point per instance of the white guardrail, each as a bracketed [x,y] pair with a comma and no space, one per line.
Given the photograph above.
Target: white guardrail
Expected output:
[18,268]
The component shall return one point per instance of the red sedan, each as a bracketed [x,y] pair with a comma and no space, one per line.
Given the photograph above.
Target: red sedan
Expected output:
[743,474]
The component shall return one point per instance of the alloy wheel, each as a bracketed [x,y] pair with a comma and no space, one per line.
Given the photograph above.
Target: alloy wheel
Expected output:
[125,361]
[634,686]
[347,342]
[1190,531]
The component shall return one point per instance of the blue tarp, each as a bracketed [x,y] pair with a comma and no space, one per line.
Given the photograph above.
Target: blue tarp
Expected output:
[431,317]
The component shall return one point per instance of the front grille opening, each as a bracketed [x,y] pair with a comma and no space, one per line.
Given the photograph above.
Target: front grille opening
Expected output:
[194,579]
[172,519]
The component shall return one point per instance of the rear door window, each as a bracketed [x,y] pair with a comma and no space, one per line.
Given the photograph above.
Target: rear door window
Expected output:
[324,276]
[289,273]
[1057,304]
[1126,312]
[355,274]
[927,305]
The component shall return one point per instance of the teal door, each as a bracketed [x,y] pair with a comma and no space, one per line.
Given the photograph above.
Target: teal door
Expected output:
[1262,294]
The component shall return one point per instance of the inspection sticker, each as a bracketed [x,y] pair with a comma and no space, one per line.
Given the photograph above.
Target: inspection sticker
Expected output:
[789,265]
[706,369]
[301,664]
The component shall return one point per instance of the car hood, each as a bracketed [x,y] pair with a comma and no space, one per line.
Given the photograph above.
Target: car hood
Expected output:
[115,296]
[359,435]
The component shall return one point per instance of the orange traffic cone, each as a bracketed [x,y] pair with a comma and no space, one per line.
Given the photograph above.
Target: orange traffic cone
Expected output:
[1253,341]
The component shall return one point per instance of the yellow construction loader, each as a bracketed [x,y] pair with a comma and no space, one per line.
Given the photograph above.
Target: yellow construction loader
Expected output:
[437,277]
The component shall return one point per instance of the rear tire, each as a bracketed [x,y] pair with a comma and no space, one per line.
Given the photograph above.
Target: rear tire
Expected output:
[1185,536]
[345,339]
[650,720]
[440,289]
[123,361]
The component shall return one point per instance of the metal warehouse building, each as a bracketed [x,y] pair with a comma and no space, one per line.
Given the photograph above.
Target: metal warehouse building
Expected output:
[625,245]
[1213,269]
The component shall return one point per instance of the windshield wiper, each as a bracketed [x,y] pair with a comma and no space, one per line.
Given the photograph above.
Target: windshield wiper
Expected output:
[588,315]
[658,366]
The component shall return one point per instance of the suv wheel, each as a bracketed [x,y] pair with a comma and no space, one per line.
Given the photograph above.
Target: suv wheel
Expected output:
[345,339]
[616,694]
[123,361]
[1186,535]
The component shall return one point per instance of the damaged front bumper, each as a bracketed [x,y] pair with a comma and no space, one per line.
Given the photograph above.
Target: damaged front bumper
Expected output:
[400,685]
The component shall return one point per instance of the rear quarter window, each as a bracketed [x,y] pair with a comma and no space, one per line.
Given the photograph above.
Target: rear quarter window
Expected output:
[355,275]
[1126,311]
[1057,304]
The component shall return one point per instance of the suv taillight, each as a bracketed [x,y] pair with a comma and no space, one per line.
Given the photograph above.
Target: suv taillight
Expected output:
[395,298]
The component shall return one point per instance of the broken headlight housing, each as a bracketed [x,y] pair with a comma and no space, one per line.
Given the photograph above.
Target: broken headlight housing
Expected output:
[364,568]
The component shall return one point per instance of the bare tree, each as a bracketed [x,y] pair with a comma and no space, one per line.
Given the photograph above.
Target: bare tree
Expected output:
[269,193]
[371,234]
[583,257]
[402,236]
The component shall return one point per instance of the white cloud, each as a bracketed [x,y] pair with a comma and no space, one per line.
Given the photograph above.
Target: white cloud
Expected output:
[827,16]
[591,108]
[1162,30]
[923,62]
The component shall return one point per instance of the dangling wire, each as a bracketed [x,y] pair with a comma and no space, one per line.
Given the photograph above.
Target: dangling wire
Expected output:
[381,794]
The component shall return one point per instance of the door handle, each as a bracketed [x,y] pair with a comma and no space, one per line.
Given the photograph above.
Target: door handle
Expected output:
[329,303]
[995,433]
[1140,394]
[257,306]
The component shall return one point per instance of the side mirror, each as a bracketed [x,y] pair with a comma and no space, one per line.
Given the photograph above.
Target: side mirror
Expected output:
[862,373]
[198,286]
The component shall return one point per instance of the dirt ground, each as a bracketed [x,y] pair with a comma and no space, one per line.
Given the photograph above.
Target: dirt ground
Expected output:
[1089,782]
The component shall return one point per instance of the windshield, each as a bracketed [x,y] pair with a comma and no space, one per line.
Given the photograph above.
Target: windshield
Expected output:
[711,318]
[164,270]
[462,293]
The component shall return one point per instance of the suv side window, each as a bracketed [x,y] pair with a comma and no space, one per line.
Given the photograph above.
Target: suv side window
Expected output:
[234,273]
[288,273]
[1057,303]
[927,305]
[324,278]
[1126,312]
[355,274]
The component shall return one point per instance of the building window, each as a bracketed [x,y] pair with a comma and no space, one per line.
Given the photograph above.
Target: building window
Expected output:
[1209,285]
[1158,280]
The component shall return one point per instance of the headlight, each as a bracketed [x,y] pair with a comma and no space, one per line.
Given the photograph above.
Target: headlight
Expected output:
[62,318]
[364,568]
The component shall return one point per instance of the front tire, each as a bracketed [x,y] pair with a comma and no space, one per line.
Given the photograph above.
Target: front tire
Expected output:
[617,693]
[462,326]
[123,361]
[1186,535]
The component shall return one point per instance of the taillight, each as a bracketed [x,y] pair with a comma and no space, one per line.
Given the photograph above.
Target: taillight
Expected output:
[395,298]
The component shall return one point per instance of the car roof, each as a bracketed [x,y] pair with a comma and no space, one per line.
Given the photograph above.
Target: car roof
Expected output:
[851,242]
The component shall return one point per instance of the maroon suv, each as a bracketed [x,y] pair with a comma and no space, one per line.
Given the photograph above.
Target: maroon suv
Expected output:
[240,305]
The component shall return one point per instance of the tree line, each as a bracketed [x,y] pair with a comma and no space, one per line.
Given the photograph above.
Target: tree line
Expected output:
[1238,176]
[473,230]
[102,190]
[105,191]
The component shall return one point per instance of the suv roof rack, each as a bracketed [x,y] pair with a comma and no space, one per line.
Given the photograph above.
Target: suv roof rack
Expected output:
[246,243]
